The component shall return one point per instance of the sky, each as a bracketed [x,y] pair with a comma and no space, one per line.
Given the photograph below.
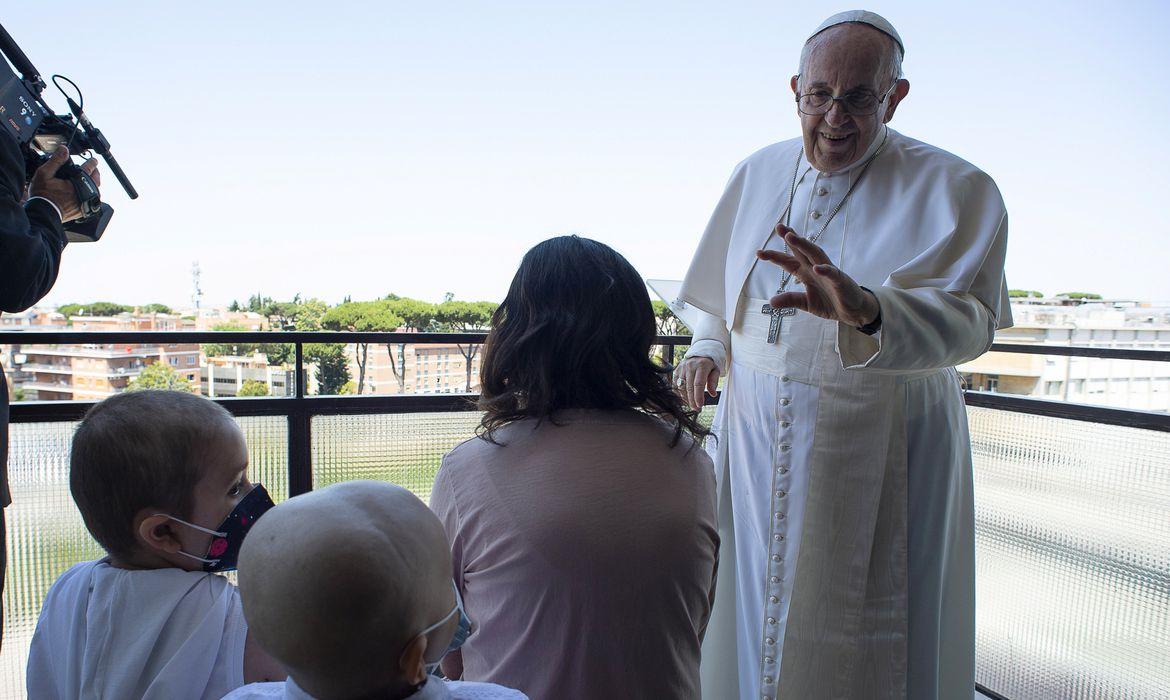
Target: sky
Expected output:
[363,148]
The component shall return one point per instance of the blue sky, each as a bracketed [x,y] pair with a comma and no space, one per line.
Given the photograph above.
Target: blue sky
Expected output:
[360,148]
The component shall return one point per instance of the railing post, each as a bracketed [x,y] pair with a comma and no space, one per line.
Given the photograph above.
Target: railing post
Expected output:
[300,437]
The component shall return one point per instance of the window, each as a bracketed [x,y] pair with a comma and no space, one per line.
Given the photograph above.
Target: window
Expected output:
[1053,388]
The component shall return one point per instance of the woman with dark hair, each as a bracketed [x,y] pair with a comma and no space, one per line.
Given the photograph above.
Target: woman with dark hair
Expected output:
[582,518]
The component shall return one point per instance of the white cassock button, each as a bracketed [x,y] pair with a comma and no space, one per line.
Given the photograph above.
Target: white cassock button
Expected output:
[784,424]
[776,558]
[775,579]
[773,600]
[822,192]
[778,537]
[767,680]
[771,620]
[769,641]
[782,470]
[785,402]
[779,515]
[785,447]
[815,214]
[784,378]
[781,493]
[768,659]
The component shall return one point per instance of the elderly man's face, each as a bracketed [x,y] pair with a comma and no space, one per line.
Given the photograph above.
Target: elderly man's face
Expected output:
[846,60]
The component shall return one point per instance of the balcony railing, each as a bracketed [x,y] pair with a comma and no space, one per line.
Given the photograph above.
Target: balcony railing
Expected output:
[1072,531]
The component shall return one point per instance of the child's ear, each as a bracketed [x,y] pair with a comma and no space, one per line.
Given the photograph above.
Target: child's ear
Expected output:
[411,663]
[156,532]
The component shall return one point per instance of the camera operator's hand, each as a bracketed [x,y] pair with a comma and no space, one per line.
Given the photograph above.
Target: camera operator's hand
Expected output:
[60,192]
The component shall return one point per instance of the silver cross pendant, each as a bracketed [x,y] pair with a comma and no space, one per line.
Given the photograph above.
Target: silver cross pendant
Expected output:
[774,322]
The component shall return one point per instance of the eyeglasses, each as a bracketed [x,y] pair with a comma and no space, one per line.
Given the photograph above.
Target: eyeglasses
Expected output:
[858,104]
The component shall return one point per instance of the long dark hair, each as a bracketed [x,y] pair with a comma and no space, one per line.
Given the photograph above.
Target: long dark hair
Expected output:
[575,333]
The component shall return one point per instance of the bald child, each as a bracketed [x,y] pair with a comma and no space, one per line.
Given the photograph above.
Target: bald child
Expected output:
[350,589]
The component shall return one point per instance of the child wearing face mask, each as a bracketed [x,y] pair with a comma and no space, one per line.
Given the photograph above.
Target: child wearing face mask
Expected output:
[161,480]
[350,589]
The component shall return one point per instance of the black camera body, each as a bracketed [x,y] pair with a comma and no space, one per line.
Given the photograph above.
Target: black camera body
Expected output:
[39,131]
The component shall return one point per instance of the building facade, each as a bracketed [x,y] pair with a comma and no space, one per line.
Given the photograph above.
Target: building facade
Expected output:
[1119,383]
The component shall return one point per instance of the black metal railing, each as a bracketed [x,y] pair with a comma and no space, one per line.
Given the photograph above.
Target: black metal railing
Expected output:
[300,408]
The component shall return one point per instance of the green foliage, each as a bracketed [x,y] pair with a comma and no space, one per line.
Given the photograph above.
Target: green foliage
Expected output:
[464,316]
[361,316]
[256,303]
[332,367]
[253,387]
[276,353]
[1080,295]
[416,315]
[667,322]
[309,314]
[97,308]
[228,349]
[157,309]
[18,393]
[234,307]
[1025,294]
[159,375]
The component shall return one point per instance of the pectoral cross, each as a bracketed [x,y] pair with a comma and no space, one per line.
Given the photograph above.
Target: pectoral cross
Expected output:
[774,322]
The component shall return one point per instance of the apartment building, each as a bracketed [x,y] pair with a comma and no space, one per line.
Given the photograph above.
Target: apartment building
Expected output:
[424,369]
[90,371]
[1105,324]
[223,376]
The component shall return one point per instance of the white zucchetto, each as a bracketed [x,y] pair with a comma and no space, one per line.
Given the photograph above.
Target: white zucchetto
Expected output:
[863,17]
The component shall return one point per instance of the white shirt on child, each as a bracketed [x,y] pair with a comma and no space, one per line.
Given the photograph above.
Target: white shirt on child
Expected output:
[433,689]
[164,634]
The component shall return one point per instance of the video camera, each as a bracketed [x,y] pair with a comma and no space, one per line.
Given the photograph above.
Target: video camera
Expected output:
[24,114]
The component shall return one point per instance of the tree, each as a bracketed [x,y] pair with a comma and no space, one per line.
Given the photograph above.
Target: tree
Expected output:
[309,314]
[256,303]
[416,315]
[97,308]
[1025,294]
[332,367]
[362,317]
[234,307]
[157,309]
[276,353]
[105,308]
[465,317]
[159,375]
[1081,296]
[253,387]
[284,312]
[669,324]
[222,349]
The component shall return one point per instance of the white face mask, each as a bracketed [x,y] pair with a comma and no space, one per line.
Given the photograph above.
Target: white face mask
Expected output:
[432,666]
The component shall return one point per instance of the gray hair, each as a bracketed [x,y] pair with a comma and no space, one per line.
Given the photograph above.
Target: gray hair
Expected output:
[891,69]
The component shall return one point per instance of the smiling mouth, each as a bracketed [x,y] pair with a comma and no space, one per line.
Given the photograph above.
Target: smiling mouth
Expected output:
[834,139]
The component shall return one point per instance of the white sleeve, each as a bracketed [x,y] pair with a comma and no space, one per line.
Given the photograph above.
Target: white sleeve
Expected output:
[921,329]
[942,308]
[712,340]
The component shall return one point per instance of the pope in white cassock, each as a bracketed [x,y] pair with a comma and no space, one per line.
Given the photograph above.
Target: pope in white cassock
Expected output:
[843,458]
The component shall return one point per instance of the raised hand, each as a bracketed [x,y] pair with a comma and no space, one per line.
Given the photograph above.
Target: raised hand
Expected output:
[829,292]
